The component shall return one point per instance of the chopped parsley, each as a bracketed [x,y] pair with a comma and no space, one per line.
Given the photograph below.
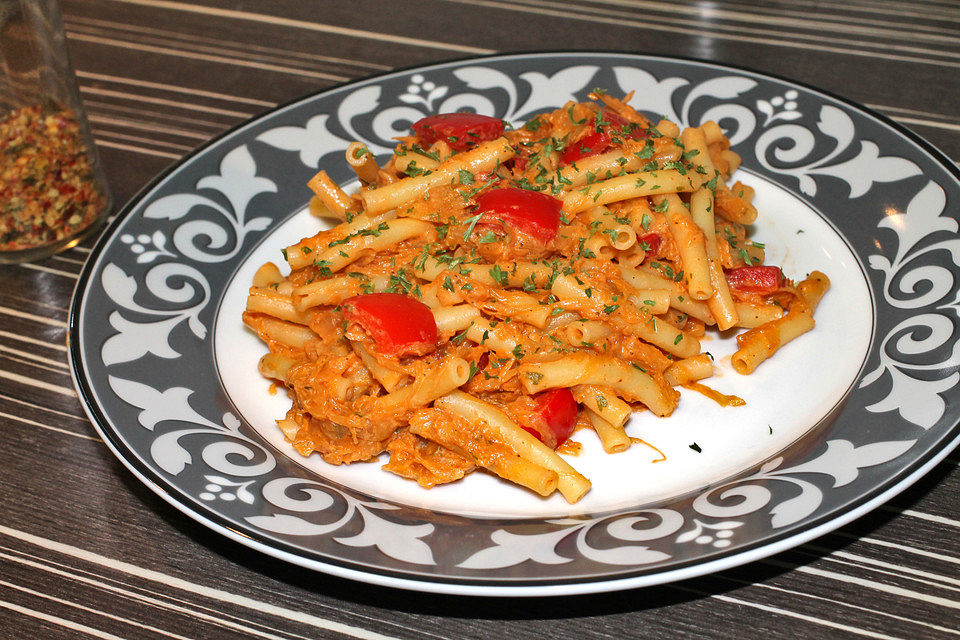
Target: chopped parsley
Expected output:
[499,275]
[433,155]
[572,119]
[413,170]
[323,267]
[471,223]
[460,337]
[647,152]
[677,166]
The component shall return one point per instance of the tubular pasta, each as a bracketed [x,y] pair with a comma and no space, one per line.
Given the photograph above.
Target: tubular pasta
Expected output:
[583,332]
[332,196]
[266,275]
[390,379]
[614,439]
[303,253]
[594,369]
[759,343]
[501,460]
[439,381]
[645,278]
[603,402]
[266,301]
[691,244]
[571,484]
[626,159]
[483,158]
[334,290]
[754,315]
[362,162]
[633,185]
[276,366]
[689,370]
[286,333]
[721,302]
[457,318]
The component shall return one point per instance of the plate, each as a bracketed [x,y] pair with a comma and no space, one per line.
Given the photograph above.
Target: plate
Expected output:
[838,422]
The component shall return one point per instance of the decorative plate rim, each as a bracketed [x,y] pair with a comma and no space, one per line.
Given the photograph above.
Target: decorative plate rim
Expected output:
[210,518]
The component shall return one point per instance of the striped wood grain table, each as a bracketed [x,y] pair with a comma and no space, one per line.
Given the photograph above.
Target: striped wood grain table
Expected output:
[87,551]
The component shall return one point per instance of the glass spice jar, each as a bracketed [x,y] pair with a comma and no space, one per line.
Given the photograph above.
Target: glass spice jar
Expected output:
[52,190]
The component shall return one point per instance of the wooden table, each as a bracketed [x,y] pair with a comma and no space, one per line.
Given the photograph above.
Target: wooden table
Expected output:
[87,551]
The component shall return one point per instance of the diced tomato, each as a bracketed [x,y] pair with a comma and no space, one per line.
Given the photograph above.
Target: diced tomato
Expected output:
[758,279]
[399,325]
[599,140]
[554,417]
[519,163]
[591,144]
[459,130]
[620,127]
[651,241]
[532,212]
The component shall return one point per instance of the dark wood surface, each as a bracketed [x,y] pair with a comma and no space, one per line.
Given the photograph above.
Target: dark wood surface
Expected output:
[87,551]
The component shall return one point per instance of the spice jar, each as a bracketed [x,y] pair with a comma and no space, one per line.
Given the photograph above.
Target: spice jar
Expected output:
[52,191]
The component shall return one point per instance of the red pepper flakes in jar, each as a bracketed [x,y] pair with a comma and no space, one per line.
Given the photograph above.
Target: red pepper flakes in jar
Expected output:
[48,187]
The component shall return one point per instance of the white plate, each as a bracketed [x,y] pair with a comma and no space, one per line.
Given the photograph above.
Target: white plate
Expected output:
[836,423]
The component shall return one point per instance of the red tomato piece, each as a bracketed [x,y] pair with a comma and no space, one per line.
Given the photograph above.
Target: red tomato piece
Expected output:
[621,127]
[599,140]
[533,432]
[399,325]
[459,130]
[520,163]
[532,212]
[554,417]
[758,279]
[589,145]
[652,241]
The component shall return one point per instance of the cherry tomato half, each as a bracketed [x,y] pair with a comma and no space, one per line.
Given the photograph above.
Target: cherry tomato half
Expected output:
[459,130]
[651,241]
[399,324]
[532,212]
[554,417]
[758,279]
[599,139]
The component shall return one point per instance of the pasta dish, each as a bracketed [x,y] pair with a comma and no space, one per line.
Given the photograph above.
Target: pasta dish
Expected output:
[492,289]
